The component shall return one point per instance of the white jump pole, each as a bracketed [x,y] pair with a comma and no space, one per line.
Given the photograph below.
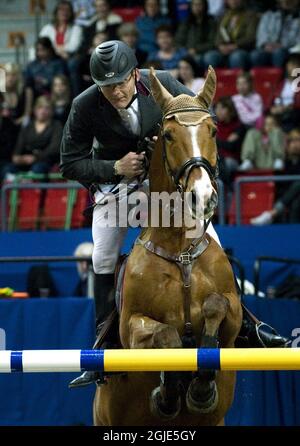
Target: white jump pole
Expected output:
[149,360]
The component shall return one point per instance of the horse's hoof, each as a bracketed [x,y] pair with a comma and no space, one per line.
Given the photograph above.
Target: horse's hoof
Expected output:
[196,406]
[158,409]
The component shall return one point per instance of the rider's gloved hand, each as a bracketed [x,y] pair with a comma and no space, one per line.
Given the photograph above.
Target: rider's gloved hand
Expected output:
[131,165]
[148,144]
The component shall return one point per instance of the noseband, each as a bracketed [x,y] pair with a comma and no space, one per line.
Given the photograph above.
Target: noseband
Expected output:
[191,163]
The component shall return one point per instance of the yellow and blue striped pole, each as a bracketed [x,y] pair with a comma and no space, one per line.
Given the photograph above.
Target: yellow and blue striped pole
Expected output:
[148,360]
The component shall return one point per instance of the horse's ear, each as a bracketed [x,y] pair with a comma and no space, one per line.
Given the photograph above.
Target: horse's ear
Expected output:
[208,91]
[159,92]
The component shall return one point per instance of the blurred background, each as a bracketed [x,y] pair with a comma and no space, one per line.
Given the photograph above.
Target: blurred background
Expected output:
[46,279]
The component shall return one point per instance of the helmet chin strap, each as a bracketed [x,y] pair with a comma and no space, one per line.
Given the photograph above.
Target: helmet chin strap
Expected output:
[132,100]
[135,94]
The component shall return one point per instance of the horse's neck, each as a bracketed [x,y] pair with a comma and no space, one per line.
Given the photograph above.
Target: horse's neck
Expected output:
[172,240]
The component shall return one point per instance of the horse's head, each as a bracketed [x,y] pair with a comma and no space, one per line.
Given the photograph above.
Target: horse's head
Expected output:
[188,141]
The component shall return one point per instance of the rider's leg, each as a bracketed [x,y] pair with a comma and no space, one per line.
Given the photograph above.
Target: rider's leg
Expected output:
[108,239]
[104,299]
[257,333]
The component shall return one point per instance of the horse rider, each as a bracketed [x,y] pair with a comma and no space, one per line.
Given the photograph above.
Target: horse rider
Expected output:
[101,143]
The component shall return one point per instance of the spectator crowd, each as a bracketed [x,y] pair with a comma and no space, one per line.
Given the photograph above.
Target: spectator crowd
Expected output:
[238,35]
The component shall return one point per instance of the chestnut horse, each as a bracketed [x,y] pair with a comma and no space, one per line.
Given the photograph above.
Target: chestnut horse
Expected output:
[177,291]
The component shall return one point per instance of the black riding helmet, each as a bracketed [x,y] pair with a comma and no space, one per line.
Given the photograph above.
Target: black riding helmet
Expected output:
[112,62]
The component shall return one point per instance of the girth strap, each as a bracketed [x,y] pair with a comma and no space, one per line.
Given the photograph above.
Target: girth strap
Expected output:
[186,273]
[184,261]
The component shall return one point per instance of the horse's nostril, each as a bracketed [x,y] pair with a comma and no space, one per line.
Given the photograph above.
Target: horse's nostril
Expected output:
[194,200]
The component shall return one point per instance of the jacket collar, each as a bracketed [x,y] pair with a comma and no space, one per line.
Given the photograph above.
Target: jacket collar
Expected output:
[150,112]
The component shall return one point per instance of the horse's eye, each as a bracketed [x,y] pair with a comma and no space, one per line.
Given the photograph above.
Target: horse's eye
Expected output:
[168,136]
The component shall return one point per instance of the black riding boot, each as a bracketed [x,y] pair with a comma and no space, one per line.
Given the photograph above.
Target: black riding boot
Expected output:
[105,304]
[255,333]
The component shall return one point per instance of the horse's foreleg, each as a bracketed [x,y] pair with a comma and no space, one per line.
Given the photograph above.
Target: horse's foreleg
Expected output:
[165,401]
[202,394]
[145,332]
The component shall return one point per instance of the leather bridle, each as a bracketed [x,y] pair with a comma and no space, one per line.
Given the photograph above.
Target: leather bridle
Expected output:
[185,169]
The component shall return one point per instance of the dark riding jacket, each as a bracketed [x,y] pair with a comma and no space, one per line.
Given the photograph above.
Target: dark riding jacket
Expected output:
[95,136]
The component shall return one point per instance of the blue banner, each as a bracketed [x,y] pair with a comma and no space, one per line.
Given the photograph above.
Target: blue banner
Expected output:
[245,242]
[261,398]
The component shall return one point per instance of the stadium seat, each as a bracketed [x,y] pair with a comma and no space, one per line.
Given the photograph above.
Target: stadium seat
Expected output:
[79,206]
[226,81]
[255,199]
[63,208]
[128,14]
[265,82]
[54,212]
[24,209]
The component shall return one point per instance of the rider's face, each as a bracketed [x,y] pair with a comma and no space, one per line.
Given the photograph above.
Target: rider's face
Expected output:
[119,95]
